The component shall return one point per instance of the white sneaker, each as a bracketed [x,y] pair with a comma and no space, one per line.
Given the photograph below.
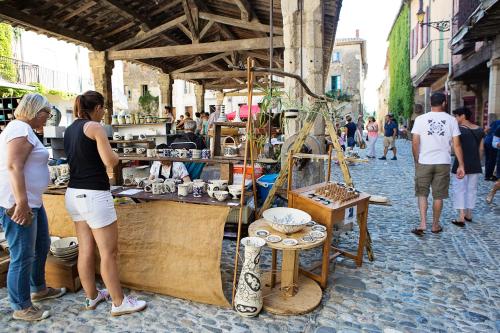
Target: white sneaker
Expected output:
[91,304]
[129,305]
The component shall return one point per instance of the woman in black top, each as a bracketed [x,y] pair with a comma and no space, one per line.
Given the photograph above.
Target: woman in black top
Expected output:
[465,189]
[90,204]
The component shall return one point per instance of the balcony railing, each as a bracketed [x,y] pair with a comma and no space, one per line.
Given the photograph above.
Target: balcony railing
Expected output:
[435,53]
[21,72]
[462,12]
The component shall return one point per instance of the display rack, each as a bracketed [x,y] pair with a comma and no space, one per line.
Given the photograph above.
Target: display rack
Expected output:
[7,107]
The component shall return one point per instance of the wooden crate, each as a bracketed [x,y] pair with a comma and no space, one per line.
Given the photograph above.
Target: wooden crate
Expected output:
[60,274]
[4,267]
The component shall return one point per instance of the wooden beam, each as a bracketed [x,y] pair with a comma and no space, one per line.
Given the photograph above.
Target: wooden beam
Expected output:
[229,62]
[185,30]
[77,11]
[170,4]
[222,69]
[119,29]
[17,17]
[240,23]
[205,29]
[245,9]
[190,21]
[202,48]
[200,63]
[213,75]
[126,11]
[151,33]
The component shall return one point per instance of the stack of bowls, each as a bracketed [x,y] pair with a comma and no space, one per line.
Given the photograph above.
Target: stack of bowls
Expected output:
[65,248]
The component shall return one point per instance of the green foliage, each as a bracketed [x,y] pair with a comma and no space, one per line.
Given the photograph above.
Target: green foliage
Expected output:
[39,88]
[339,95]
[401,88]
[149,103]
[7,68]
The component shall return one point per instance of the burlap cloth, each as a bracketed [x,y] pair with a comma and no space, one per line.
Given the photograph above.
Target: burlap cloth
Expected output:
[163,246]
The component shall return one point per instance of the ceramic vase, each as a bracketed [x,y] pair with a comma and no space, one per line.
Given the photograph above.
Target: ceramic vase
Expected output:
[248,299]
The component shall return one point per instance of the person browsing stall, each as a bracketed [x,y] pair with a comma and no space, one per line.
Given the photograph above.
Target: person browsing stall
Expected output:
[24,177]
[168,169]
[90,204]
[188,140]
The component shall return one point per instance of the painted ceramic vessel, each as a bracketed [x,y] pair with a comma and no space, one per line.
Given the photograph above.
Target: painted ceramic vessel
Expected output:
[286,220]
[248,299]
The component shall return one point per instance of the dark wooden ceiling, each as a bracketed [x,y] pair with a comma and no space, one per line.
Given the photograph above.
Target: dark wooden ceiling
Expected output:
[105,24]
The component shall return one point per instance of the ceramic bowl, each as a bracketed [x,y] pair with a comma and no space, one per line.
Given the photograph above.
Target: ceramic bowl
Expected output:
[235,193]
[221,195]
[286,220]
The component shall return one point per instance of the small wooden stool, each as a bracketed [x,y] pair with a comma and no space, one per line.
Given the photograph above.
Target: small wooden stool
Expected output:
[291,294]
[59,273]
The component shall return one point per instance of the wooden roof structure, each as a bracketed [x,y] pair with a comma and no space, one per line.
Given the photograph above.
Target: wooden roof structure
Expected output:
[191,39]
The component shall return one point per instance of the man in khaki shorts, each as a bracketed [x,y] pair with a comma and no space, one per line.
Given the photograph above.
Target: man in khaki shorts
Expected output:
[433,134]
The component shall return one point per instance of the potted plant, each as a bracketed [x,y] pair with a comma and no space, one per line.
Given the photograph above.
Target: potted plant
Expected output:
[149,104]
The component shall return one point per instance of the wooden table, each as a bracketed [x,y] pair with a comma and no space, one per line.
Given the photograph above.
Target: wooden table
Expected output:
[292,294]
[329,215]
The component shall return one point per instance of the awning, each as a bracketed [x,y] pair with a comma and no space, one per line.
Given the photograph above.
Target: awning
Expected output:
[482,23]
[8,84]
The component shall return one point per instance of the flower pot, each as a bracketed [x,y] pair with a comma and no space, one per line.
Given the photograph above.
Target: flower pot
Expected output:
[248,299]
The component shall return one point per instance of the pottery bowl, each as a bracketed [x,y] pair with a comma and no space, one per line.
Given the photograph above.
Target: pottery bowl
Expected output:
[63,246]
[286,220]
[221,195]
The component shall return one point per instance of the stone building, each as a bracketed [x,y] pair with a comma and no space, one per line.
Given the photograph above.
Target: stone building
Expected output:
[476,58]
[429,50]
[348,70]
[383,94]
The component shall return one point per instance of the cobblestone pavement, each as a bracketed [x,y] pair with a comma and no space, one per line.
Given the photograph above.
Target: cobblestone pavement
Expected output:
[440,283]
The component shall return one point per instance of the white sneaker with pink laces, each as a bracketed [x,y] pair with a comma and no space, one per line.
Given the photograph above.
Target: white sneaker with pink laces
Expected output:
[91,304]
[129,305]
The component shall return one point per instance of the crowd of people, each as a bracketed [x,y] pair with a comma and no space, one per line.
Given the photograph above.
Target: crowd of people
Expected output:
[436,136]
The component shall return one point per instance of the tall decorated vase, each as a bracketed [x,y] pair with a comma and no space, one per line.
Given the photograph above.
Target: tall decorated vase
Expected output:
[248,300]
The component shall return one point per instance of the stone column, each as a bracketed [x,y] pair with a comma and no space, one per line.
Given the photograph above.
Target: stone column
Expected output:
[166,84]
[312,54]
[455,94]
[199,92]
[494,90]
[291,38]
[102,69]
[219,97]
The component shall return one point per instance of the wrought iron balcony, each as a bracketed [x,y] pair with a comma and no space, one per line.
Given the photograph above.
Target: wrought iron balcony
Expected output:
[17,71]
[433,63]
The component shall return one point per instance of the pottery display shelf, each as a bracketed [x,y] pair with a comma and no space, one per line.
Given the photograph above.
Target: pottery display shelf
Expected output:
[133,125]
[329,215]
[291,293]
[142,157]
[147,196]
[131,141]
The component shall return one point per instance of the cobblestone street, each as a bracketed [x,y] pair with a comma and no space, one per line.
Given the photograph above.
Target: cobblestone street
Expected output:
[447,282]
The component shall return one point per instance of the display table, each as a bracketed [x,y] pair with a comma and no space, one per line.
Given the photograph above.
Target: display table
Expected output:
[329,215]
[166,247]
[291,294]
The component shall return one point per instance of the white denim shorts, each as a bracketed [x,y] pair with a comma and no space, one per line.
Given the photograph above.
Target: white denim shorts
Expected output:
[96,208]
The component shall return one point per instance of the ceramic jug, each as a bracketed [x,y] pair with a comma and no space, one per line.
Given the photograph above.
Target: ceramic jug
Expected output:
[248,300]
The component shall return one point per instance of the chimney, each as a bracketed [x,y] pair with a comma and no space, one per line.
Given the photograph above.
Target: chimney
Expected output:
[357,33]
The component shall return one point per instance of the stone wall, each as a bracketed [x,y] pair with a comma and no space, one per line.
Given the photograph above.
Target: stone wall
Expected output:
[134,77]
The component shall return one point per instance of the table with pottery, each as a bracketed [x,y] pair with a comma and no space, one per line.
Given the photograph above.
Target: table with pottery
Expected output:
[290,293]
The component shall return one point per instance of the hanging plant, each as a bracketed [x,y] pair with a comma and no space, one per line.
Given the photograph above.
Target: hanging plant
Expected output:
[148,103]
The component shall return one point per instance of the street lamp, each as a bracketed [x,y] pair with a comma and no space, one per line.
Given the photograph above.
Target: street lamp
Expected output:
[439,25]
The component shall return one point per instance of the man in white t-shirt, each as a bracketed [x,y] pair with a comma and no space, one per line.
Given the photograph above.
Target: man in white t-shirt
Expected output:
[433,134]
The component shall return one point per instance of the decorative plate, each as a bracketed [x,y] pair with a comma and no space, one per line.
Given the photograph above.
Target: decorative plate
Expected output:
[319,227]
[307,239]
[273,238]
[317,234]
[262,233]
[290,242]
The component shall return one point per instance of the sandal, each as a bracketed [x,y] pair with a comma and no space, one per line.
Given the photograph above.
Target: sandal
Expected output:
[438,230]
[418,232]
[468,219]
[458,223]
